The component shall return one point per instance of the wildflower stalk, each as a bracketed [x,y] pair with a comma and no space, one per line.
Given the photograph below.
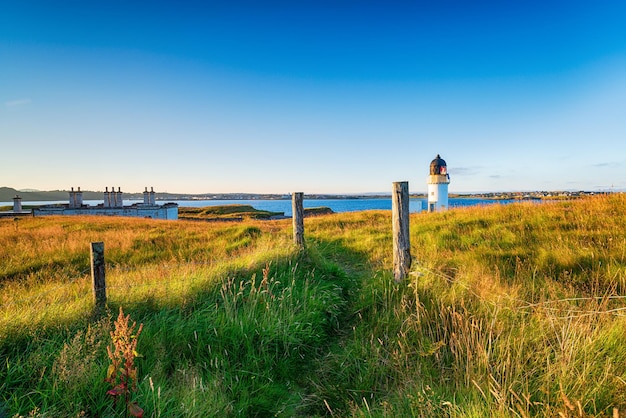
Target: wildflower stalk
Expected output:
[122,372]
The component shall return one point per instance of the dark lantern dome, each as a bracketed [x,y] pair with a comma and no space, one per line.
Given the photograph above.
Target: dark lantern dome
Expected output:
[438,166]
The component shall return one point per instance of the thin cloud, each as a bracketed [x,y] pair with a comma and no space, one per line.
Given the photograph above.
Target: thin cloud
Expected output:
[18,102]
[464,171]
[609,164]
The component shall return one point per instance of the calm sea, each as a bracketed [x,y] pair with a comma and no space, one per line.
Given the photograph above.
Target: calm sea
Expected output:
[337,205]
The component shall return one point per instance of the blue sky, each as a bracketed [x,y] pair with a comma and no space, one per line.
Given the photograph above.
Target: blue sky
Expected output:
[319,97]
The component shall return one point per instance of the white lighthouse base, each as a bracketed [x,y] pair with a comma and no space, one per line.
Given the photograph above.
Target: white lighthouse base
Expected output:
[437,195]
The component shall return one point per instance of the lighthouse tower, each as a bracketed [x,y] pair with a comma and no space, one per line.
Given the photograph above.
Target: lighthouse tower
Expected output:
[438,181]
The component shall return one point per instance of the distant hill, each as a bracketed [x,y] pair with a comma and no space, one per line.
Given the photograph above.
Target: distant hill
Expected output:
[7,194]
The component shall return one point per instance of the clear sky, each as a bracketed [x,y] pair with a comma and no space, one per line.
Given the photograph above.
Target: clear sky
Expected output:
[312,96]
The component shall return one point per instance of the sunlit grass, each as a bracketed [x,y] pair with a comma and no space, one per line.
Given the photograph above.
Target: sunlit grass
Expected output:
[147,261]
[507,313]
[511,310]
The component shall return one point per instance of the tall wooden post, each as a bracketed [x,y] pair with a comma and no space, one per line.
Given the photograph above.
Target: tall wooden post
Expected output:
[97,274]
[400,222]
[297,208]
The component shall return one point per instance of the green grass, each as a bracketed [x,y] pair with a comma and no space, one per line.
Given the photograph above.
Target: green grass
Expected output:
[237,212]
[24,207]
[225,212]
[510,311]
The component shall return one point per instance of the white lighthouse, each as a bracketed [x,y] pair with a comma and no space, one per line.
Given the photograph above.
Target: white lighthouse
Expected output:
[438,181]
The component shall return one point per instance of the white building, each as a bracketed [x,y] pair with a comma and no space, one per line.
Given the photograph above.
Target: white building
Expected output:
[438,181]
[17,209]
[112,205]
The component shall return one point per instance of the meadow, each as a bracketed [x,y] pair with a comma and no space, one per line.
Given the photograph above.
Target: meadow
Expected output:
[509,311]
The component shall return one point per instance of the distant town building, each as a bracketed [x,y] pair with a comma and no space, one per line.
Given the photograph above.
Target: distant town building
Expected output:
[438,181]
[17,204]
[17,209]
[112,205]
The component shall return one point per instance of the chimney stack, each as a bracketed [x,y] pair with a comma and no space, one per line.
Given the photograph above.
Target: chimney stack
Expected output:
[79,198]
[72,198]
[118,198]
[113,198]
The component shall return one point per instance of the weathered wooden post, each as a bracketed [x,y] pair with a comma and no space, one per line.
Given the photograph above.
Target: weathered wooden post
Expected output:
[97,274]
[297,208]
[400,222]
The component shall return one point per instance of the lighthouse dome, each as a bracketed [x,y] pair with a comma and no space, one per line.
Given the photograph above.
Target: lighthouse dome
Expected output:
[438,166]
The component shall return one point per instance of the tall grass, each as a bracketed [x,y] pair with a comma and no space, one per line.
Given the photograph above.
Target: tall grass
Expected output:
[512,310]
[232,316]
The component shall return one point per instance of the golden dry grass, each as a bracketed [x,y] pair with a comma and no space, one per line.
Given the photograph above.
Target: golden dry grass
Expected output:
[510,310]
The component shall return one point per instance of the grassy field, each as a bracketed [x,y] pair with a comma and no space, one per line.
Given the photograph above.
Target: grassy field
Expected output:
[225,212]
[239,213]
[510,311]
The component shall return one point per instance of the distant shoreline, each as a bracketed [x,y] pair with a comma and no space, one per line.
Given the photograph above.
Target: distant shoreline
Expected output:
[7,194]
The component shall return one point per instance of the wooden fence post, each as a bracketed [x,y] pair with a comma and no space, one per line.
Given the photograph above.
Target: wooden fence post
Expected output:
[297,208]
[400,222]
[97,274]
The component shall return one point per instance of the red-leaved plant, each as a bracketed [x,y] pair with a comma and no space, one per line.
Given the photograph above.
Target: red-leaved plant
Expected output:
[122,373]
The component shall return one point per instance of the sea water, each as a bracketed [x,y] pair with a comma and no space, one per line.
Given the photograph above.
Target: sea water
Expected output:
[337,205]
[284,205]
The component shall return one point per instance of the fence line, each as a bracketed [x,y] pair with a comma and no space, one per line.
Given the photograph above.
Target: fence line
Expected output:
[401,262]
[527,305]
[523,305]
[115,266]
[41,294]
[84,275]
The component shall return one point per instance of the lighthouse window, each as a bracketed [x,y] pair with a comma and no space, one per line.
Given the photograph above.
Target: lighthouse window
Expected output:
[432,193]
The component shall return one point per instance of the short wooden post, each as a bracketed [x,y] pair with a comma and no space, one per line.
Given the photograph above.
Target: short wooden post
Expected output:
[297,208]
[400,222]
[97,274]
